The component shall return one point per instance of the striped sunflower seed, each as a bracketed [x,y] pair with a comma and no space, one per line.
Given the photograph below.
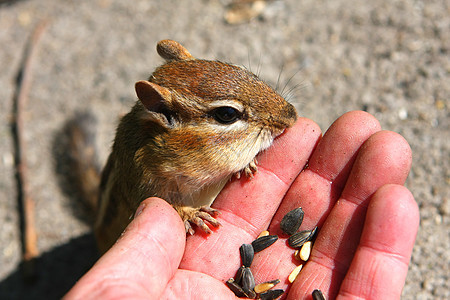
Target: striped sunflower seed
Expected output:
[263,242]
[270,295]
[318,295]
[248,281]
[235,288]
[247,254]
[238,277]
[299,238]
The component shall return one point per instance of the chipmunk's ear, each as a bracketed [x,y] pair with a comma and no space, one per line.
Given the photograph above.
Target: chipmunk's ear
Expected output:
[154,97]
[171,50]
[157,100]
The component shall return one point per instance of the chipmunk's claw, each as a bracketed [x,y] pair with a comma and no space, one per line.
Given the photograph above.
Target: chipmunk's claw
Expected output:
[198,216]
[249,170]
[188,227]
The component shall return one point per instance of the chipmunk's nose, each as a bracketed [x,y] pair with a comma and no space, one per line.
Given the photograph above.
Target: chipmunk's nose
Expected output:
[286,117]
[290,114]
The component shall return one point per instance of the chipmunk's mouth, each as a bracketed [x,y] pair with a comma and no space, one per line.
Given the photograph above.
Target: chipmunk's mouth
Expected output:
[277,132]
[280,133]
[265,139]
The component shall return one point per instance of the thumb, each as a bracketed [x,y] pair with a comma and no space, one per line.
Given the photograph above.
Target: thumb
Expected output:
[142,261]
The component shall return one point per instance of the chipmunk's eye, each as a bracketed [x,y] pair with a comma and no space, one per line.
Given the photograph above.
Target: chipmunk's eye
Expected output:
[226,114]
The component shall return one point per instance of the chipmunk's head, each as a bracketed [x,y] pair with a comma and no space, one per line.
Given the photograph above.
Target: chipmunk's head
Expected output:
[217,114]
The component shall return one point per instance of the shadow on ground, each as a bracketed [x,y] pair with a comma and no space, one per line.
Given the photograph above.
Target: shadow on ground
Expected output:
[57,271]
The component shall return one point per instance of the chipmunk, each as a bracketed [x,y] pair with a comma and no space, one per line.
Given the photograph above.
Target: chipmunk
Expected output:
[196,124]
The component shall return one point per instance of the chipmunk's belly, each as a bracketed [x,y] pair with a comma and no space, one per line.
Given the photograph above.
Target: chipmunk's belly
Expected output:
[204,196]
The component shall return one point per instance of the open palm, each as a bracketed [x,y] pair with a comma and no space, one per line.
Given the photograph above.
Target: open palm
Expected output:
[348,182]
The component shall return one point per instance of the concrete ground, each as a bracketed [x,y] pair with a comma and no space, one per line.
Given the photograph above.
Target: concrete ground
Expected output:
[388,57]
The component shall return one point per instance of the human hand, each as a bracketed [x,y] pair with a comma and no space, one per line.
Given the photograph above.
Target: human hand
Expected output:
[352,189]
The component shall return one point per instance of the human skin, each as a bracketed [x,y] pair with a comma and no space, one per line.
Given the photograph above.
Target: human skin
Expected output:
[351,188]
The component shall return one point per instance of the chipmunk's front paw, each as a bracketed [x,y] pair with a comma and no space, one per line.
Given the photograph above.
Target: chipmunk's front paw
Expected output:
[197,216]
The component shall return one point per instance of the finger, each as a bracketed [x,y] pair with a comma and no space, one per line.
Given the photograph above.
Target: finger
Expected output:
[385,158]
[142,261]
[247,205]
[194,285]
[317,188]
[254,201]
[385,248]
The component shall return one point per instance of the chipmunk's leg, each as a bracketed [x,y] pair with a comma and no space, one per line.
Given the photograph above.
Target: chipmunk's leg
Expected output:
[197,216]
[249,170]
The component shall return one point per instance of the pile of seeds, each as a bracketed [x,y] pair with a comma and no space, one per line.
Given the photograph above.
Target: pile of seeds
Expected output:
[243,284]
[301,241]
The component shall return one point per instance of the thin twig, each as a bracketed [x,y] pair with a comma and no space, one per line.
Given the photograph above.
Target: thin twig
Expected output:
[25,201]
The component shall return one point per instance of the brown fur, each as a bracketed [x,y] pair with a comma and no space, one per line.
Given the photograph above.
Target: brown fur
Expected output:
[170,144]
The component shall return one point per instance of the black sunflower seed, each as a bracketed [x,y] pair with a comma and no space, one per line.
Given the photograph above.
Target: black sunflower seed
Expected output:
[313,234]
[318,295]
[248,281]
[299,238]
[251,294]
[238,277]
[292,220]
[270,295]
[235,288]
[263,242]
[247,254]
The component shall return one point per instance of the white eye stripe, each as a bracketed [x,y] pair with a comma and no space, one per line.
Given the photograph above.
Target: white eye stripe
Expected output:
[221,103]
[238,125]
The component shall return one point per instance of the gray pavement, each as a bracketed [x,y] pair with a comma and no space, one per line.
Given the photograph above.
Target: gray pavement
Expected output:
[390,58]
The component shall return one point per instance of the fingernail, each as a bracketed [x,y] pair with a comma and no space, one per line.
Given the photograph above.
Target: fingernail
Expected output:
[139,210]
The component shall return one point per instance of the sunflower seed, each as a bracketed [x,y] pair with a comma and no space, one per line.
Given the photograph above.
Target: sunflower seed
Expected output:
[263,233]
[305,251]
[251,294]
[298,239]
[294,273]
[235,288]
[248,281]
[297,255]
[318,295]
[247,254]
[313,234]
[263,242]
[238,276]
[265,286]
[270,295]
[292,220]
